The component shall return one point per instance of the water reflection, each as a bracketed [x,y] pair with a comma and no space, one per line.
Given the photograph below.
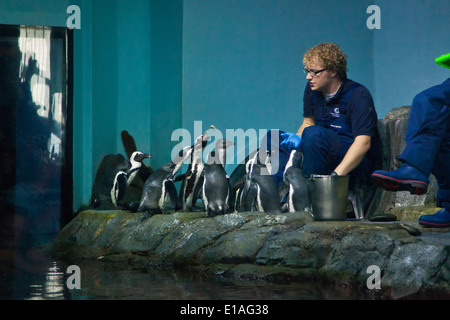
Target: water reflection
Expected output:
[36,276]
[52,286]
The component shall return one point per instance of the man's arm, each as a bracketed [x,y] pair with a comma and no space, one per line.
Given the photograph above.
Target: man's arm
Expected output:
[355,154]
[307,122]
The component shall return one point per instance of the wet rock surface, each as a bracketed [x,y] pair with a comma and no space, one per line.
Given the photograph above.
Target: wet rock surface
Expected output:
[289,246]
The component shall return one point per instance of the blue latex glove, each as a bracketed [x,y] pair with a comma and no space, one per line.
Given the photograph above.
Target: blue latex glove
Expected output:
[290,140]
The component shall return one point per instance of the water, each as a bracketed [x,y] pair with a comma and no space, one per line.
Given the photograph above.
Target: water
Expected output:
[33,275]
[29,273]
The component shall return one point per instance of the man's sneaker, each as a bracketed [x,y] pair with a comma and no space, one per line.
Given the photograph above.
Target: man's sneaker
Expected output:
[406,178]
[440,219]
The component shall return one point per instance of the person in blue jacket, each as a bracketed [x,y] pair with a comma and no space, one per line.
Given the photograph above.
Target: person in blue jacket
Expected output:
[339,133]
[427,151]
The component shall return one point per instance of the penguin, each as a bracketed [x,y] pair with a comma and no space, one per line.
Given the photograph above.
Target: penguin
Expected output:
[215,185]
[188,197]
[161,184]
[260,191]
[113,169]
[130,146]
[295,186]
[237,180]
[124,178]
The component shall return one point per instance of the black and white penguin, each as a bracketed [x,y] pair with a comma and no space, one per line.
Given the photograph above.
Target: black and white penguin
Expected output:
[237,180]
[114,169]
[123,178]
[188,197]
[295,186]
[161,184]
[259,192]
[215,185]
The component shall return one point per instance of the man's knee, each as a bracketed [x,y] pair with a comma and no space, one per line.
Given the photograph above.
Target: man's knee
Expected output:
[312,136]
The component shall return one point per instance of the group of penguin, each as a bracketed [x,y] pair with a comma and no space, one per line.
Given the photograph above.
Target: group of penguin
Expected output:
[250,187]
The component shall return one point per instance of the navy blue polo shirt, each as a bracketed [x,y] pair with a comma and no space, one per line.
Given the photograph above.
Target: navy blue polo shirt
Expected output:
[349,113]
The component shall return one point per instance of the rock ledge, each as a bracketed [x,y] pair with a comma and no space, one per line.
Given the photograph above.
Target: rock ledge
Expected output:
[255,245]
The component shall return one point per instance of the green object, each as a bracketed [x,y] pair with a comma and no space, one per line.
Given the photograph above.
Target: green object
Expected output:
[444,60]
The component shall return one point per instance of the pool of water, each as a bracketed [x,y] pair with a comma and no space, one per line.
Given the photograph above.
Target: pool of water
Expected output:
[31,274]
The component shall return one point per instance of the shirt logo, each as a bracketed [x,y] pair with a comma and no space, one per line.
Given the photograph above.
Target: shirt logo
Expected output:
[335,113]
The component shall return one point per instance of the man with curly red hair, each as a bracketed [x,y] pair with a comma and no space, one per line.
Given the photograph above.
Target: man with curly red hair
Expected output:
[339,133]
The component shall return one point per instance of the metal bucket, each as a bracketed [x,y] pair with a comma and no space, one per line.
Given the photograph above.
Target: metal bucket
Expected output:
[329,196]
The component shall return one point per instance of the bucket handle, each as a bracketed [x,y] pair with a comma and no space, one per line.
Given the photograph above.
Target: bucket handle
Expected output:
[310,184]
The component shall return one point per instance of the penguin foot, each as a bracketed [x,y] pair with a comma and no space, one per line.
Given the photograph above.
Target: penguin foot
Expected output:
[131,206]
[284,208]
[153,211]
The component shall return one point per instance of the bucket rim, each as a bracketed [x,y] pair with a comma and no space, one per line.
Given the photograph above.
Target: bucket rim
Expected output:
[325,176]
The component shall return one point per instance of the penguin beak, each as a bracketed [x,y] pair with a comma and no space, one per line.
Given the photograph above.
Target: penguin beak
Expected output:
[141,156]
[146,156]
[206,137]
[227,143]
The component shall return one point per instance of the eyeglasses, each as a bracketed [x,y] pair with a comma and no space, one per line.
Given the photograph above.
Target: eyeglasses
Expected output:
[312,72]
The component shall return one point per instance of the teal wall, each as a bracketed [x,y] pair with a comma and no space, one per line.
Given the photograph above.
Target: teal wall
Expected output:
[112,84]
[34,12]
[166,77]
[117,65]
[413,34]
[245,57]
[242,59]
[152,66]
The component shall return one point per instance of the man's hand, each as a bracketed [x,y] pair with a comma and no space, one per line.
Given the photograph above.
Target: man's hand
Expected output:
[291,140]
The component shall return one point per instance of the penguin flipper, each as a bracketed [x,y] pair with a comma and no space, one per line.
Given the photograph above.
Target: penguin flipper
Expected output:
[237,200]
[251,198]
[248,198]
[283,190]
[119,187]
[145,172]
[122,180]
[243,196]
[182,177]
[235,195]
[128,143]
[172,192]
[198,190]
